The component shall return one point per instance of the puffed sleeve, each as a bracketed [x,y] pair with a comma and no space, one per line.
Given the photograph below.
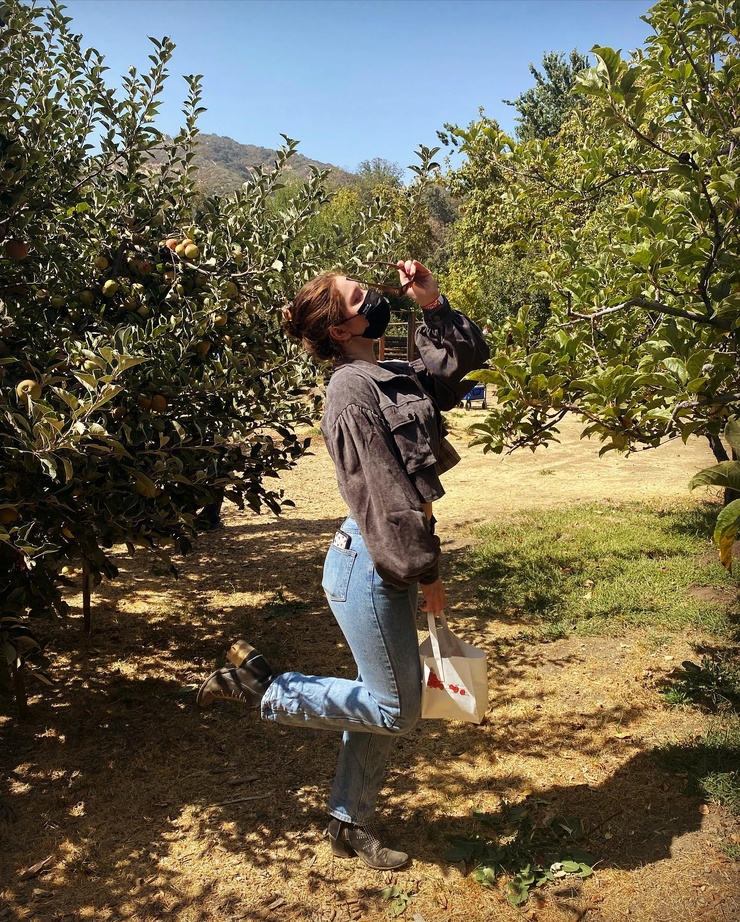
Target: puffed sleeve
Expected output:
[450,346]
[382,499]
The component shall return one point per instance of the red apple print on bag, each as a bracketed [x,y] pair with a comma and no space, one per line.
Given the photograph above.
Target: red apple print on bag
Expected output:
[433,681]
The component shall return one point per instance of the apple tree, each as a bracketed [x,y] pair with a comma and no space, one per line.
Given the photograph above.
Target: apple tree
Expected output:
[143,371]
[632,209]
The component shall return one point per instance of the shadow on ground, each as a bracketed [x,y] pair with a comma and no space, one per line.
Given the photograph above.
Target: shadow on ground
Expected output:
[117,772]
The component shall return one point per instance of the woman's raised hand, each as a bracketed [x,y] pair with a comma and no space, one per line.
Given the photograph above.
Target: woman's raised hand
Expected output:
[423,287]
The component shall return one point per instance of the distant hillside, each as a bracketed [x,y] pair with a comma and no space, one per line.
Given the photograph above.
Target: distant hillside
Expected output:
[224,164]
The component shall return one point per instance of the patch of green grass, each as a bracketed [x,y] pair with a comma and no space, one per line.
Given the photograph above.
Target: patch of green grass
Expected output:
[713,683]
[604,567]
[711,763]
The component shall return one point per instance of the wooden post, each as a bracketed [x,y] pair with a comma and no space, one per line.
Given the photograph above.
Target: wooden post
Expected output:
[86,618]
[410,334]
[381,348]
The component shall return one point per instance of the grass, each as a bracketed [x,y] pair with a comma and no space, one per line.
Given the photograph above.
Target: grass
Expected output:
[713,683]
[608,568]
[711,761]
[604,568]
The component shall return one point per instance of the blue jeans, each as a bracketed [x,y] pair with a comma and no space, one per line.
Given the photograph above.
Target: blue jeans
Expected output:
[379,624]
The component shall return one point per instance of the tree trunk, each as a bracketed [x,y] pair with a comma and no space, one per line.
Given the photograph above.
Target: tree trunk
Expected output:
[720,453]
[19,687]
[86,617]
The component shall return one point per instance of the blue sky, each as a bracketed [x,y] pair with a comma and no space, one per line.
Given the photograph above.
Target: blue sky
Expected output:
[351,79]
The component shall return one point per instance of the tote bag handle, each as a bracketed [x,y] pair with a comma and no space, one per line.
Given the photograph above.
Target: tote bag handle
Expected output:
[436,627]
[432,625]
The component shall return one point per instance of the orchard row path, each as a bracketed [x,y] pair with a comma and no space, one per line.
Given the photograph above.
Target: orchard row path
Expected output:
[147,808]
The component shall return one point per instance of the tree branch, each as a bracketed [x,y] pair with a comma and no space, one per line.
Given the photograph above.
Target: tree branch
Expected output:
[704,83]
[655,306]
[528,439]
[615,176]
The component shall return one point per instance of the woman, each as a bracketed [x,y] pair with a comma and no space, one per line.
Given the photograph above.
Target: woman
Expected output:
[383,430]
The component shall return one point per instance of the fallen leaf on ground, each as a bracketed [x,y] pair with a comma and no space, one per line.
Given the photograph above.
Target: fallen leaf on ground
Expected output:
[37,868]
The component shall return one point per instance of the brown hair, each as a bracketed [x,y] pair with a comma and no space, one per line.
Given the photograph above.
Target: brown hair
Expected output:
[317,307]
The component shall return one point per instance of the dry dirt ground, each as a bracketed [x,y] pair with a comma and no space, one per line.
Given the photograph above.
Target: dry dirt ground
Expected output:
[121,800]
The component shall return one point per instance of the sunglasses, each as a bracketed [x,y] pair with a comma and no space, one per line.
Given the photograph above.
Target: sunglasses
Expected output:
[395,290]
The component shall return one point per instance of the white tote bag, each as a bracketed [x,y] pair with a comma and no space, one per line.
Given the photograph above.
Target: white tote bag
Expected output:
[454,675]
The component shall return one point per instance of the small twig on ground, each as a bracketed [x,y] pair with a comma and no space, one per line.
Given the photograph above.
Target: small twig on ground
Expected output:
[604,822]
[238,800]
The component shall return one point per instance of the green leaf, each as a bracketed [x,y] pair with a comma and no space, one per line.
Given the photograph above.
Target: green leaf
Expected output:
[129,361]
[726,530]
[398,907]
[485,876]
[726,474]
[42,676]
[89,381]
[390,893]
[732,434]
[107,394]
[517,892]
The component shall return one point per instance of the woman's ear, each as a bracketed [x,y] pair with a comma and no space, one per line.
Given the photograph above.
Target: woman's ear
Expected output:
[339,334]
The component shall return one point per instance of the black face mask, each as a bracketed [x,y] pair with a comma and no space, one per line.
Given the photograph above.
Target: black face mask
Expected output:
[377,311]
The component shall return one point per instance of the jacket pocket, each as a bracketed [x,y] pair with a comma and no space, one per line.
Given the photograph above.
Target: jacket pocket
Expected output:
[337,572]
[411,433]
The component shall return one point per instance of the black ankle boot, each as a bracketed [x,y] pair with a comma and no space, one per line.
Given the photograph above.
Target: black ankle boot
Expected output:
[246,683]
[348,840]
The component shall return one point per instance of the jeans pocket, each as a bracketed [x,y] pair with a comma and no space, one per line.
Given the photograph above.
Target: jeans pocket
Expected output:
[337,572]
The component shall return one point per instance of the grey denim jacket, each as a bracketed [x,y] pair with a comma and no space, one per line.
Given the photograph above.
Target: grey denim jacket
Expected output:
[384,432]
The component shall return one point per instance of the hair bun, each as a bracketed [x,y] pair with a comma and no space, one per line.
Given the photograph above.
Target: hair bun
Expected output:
[289,324]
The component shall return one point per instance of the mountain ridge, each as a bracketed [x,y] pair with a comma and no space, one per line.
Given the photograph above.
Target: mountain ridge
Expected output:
[225,164]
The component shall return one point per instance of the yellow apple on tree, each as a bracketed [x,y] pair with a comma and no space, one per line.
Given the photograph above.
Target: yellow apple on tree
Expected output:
[28,388]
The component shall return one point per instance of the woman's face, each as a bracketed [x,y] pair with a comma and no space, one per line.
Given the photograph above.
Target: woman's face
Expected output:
[353,296]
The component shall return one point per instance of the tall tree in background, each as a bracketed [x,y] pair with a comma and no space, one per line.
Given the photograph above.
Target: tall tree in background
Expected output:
[544,107]
[491,250]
